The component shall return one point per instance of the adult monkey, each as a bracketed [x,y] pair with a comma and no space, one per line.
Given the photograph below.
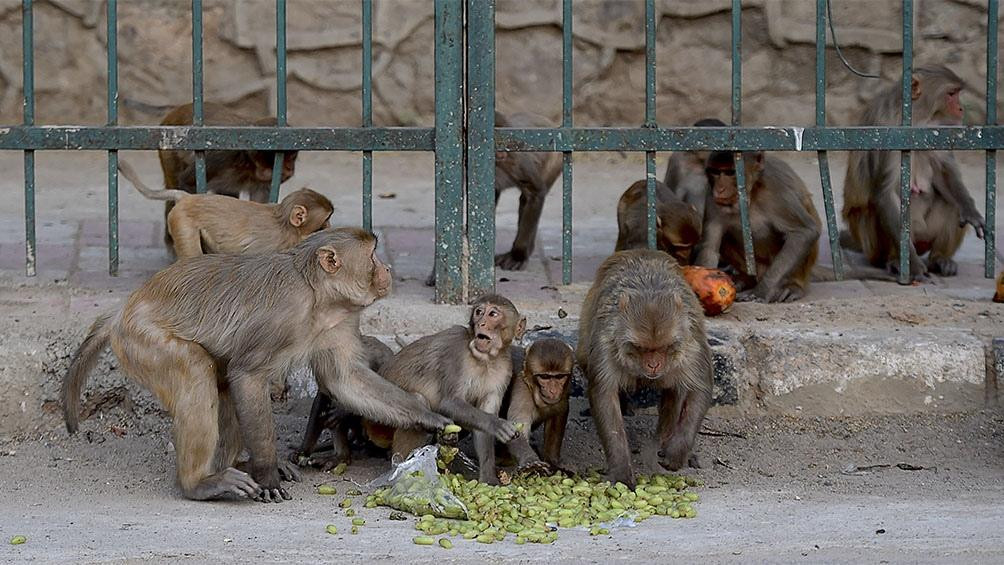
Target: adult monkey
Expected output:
[641,322]
[533,174]
[677,224]
[783,220]
[537,395]
[206,334]
[463,373]
[940,205]
[685,171]
[242,173]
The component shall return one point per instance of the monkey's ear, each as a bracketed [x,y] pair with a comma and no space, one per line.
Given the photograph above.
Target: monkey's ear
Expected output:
[520,327]
[915,90]
[298,215]
[327,257]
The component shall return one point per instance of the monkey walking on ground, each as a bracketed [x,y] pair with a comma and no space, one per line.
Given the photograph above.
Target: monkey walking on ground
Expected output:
[463,372]
[641,322]
[940,205]
[210,223]
[206,335]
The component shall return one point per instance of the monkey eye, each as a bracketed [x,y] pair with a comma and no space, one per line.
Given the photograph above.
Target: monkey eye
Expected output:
[493,313]
[551,377]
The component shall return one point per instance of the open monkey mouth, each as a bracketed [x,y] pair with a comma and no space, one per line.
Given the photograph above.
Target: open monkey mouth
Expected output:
[483,342]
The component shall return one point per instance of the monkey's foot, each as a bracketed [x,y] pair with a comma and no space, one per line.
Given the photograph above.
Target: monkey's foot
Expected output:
[919,272]
[512,261]
[674,457]
[788,293]
[228,481]
[288,471]
[536,469]
[943,266]
[328,460]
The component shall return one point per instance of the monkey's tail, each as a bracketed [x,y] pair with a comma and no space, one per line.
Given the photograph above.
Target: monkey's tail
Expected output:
[133,177]
[859,272]
[81,365]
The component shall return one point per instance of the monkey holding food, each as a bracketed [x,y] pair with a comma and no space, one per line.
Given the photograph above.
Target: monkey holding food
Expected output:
[463,372]
[538,395]
[206,336]
[210,223]
[677,224]
[641,323]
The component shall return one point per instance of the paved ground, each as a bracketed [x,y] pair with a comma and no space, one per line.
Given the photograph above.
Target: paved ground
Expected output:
[777,494]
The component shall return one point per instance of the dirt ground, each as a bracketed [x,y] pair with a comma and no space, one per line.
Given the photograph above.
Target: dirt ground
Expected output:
[776,490]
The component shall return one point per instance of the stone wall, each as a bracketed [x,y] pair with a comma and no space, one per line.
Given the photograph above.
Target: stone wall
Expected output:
[324,42]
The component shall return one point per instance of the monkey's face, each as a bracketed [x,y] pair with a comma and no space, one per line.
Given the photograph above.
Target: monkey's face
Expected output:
[721,173]
[550,388]
[264,161]
[679,233]
[352,268]
[952,106]
[493,327]
[652,338]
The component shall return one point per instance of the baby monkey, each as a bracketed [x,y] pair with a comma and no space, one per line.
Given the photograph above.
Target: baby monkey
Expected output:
[212,223]
[538,395]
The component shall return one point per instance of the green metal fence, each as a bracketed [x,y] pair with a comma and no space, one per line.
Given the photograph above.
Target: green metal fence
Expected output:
[465,138]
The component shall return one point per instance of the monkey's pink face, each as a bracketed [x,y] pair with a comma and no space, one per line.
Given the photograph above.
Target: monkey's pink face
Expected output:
[651,354]
[487,322]
[953,106]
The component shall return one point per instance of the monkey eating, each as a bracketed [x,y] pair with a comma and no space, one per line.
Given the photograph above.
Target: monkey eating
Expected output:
[677,224]
[207,334]
[783,221]
[538,395]
[242,173]
[642,324]
[685,172]
[210,223]
[940,205]
[463,372]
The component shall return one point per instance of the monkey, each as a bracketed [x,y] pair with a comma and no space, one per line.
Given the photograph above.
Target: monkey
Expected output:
[642,324]
[325,414]
[685,172]
[538,394]
[533,174]
[784,223]
[677,224]
[211,223]
[999,295]
[463,373]
[206,335]
[243,173]
[940,205]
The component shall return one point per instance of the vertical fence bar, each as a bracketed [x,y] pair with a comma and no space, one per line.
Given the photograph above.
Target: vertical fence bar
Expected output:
[28,82]
[832,229]
[905,245]
[197,110]
[367,112]
[449,69]
[566,122]
[990,259]
[650,122]
[737,112]
[481,145]
[113,155]
[280,93]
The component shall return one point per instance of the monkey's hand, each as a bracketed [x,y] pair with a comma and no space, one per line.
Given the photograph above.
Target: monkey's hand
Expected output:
[434,421]
[536,469]
[514,260]
[975,219]
[504,430]
[771,293]
[288,471]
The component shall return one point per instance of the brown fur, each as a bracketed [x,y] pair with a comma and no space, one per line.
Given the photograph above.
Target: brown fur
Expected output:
[641,323]
[685,172]
[940,206]
[783,220]
[538,394]
[678,226]
[243,173]
[463,377]
[206,334]
[210,223]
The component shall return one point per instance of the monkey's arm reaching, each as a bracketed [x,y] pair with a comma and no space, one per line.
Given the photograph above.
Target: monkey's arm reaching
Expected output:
[949,184]
[521,411]
[476,419]
[358,389]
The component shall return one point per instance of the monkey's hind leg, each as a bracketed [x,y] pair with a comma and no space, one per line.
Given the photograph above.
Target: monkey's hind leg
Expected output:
[947,236]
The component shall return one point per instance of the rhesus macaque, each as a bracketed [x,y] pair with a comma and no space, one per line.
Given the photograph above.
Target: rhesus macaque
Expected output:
[677,224]
[685,172]
[940,205]
[533,174]
[329,415]
[463,373]
[210,223]
[207,334]
[641,324]
[783,220]
[537,395]
[242,173]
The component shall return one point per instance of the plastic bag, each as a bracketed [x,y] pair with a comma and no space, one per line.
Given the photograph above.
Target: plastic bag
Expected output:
[415,486]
